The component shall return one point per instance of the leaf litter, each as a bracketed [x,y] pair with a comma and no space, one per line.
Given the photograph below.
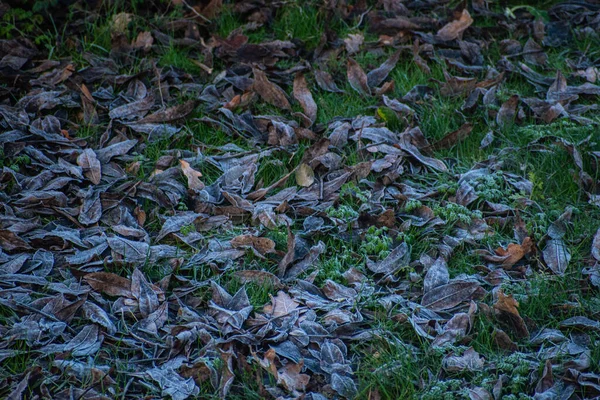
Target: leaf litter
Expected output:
[140,258]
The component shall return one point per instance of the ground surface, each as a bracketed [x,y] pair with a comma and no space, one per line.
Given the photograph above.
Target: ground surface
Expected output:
[376,200]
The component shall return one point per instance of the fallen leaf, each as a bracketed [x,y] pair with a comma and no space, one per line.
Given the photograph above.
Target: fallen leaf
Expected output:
[260,277]
[109,283]
[378,75]
[357,78]
[557,256]
[305,176]
[170,114]
[454,30]
[326,82]
[88,161]
[261,244]
[449,295]
[534,54]
[506,311]
[514,252]
[268,91]
[508,111]
[120,22]
[353,42]
[193,176]
[143,41]
[454,137]
[581,322]
[596,246]
[291,378]
[469,361]
[304,97]
[281,305]
[437,275]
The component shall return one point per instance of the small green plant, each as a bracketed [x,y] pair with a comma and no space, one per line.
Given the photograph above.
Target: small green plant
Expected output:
[376,242]
[187,229]
[448,188]
[350,193]
[20,161]
[446,390]
[19,22]
[517,368]
[342,212]
[492,187]
[181,206]
[537,186]
[412,205]
[453,213]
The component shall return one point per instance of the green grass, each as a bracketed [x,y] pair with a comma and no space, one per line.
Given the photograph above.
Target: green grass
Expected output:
[392,371]
[179,58]
[296,21]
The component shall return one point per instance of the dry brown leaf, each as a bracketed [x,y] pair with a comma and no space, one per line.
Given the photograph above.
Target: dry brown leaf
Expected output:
[10,241]
[557,256]
[534,54]
[288,258]
[261,244]
[503,341]
[449,295]
[170,114]
[260,277]
[506,310]
[469,361]
[453,138]
[456,85]
[514,252]
[143,41]
[596,246]
[192,176]
[291,378]
[387,87]
[304,97]
[455,29]
[358,78]
[109,283]
[325,81]
[88,161]
[268,91]
[212,9]
[507,113]
[379,74]
[281,305]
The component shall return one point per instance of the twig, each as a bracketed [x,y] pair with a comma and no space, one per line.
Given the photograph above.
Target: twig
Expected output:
[360,21]
[45,314]
[524,53]
[126,388]
[195,12]
[92,386]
